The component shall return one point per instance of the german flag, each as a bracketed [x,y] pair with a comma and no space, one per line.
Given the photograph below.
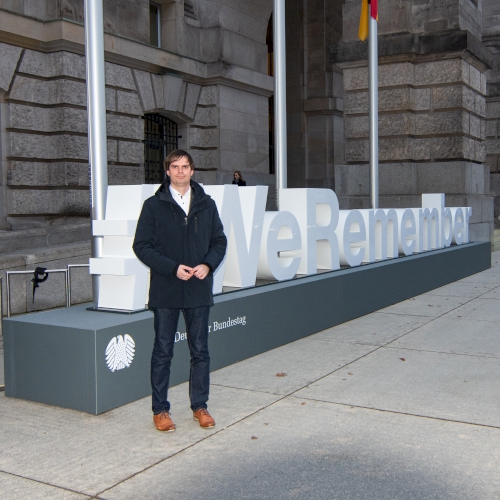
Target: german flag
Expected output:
[363,20]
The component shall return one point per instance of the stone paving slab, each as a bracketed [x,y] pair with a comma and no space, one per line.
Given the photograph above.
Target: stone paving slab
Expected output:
[302,362]
[373,329]
[321,451]
[492,294]
[439,385]
[19,487]
[481,309]
[467,290]
[425,305]
[454,335]
[87,453]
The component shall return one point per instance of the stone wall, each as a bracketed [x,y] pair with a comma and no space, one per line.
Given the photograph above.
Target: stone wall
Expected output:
[47,148]
[429,111]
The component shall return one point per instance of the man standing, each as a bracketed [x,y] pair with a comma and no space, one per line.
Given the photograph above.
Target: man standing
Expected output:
[180,238]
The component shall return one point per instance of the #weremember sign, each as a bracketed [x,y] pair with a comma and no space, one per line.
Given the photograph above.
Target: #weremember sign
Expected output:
[308,234]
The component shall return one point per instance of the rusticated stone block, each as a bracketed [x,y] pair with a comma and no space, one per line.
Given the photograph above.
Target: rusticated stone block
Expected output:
[48,119]
[33,202]
[447,147]
[390,75]
[9,57]
[125,175]
[421,149]
[479,151]
[480,104]
[395,149]
[145,90]
[53,64]
[447,71]
[357,151]
[54,147]
[475,78]
[25,173]
[110,99]
[475,126]
[119,76]
[206,117]
[355,78]
[448,122]
[455,96]
[394,99]
[491,128]
[493,147]
[128,102]
[192,94]
[420,99]
[124,126]
[356,126]
[208,96]
[204,138]
[205,159]
[130,152]
[49,92]
[493,109]
[396,124]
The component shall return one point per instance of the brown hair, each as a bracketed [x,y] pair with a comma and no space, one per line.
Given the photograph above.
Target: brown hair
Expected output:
[175,155]
[239,173]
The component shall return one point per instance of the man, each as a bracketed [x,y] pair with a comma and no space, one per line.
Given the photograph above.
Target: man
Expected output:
[180,238]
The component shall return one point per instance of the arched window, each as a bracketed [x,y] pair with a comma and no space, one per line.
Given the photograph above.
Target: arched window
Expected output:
[160,139]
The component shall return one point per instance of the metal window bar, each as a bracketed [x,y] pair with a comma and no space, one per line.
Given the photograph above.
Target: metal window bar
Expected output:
[50,271]
[68,279]
[160,139]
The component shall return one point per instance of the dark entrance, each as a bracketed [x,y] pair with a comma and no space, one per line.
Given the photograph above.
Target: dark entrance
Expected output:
[160,138]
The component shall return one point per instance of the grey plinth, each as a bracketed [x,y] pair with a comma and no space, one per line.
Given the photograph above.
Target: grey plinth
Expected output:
[59,357]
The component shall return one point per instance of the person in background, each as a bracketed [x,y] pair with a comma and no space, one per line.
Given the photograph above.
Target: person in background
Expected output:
[238,179]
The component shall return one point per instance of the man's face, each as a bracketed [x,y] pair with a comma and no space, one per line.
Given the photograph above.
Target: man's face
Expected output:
[180,173]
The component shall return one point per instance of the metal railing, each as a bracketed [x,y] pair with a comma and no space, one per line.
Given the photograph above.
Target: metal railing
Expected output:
[68,278]
[48,271]
[2,386]
[67,284]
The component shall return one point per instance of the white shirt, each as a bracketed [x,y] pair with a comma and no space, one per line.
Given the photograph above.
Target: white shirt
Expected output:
[182,200]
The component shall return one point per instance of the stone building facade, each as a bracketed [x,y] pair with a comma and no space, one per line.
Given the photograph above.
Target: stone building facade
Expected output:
[203,65]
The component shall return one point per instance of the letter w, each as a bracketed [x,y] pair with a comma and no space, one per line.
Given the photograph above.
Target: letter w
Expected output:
[242,213]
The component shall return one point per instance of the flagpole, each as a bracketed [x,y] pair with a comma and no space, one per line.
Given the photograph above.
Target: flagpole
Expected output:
[96,115]
[373,100]
[280,135]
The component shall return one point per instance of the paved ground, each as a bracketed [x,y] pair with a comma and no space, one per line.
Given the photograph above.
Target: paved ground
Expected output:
[400,404]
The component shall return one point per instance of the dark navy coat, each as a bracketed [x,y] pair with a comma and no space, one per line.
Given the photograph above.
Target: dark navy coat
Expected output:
[165,238]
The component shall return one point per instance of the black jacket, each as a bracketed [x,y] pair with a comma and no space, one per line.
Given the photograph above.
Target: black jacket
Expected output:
[166,238]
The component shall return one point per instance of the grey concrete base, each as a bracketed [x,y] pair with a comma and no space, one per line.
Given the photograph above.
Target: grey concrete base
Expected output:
[58,357]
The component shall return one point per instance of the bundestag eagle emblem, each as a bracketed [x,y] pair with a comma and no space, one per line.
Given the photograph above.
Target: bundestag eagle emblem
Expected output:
[120,352]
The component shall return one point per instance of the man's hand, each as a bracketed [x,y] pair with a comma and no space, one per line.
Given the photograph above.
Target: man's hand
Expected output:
[201,271]
[185,272]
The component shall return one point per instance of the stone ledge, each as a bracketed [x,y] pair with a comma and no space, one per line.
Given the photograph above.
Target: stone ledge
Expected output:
[27,239]
[412,43]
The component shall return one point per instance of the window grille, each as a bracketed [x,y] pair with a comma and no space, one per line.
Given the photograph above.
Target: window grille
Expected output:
[160,139]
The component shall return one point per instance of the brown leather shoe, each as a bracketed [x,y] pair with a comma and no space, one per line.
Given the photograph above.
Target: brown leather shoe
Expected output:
[203,418]
[163,422]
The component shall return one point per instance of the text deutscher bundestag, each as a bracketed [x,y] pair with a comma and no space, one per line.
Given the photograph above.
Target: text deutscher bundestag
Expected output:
[217,325]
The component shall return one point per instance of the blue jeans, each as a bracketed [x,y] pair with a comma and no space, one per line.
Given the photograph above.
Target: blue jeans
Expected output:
[165,323]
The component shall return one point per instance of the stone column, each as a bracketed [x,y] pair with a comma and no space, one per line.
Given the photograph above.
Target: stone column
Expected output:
[432,110]
[491,38]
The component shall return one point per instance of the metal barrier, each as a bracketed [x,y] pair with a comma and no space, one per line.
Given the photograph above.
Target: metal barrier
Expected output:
[68,277]
[49,271]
